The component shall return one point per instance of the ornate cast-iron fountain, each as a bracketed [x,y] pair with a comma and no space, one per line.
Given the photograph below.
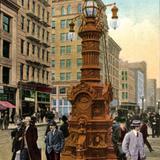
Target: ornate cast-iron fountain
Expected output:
[90,124]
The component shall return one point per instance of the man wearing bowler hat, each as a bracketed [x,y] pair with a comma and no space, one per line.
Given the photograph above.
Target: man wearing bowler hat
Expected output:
[118,136]
[133,145]
[64,126]
[54,142]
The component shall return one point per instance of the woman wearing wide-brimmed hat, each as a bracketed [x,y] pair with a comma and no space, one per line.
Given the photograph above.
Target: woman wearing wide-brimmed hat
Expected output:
[133,144]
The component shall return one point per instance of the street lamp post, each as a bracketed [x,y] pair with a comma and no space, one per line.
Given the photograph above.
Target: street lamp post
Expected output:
[158,106]
[90,124]
[142,109]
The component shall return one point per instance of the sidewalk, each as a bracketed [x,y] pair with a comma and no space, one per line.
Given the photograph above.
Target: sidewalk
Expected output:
[13,126]
[38,124]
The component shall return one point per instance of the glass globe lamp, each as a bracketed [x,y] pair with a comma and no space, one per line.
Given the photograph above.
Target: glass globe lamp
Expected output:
[114,22]
[71,35]
[90,8]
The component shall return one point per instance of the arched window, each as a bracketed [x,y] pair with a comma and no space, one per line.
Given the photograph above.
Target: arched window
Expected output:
[62,11]
[79,8]
[69,9]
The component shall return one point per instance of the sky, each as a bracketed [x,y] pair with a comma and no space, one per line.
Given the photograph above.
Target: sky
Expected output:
[138,33]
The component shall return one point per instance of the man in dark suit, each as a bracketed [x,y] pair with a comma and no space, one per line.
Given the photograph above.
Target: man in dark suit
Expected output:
[16,135]
[64,126]
[118,136]
[54,142]
[30,149]
[144,131]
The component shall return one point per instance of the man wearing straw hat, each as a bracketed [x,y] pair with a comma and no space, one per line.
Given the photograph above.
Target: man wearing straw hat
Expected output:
[133,145]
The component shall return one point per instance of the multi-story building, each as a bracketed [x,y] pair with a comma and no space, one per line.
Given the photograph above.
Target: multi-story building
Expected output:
[66,55]
[151,94]
[113,62]
[140,72]
[127,92]
[33,56]
[25,54]
[8,48]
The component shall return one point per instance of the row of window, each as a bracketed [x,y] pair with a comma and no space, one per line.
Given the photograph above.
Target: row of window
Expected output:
[124,85]
[40,73]
[61,90]
[66,63]
[113,50]
[6,49]
[31,48]
[8,95]
[65,49]
[113,71]
[60,102]
[66,76]
[124,75]
[41,96]
[34,29]
[6,23]
[63,37]
[124,95]
[64,110]
[115,92]
[6,26]
[114,81]
[67,10]
[5,75]
[65,23]
[124,78]
[113,61]
[37,9]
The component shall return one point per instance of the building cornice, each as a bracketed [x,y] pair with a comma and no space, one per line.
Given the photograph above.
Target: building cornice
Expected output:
[12,4]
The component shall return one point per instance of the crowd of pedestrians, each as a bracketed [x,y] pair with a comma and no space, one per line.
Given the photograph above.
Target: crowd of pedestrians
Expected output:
[25,137]
[130,133]
[4,121]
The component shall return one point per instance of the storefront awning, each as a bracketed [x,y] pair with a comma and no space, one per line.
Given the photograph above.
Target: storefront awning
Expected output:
[6,104]
[2,108]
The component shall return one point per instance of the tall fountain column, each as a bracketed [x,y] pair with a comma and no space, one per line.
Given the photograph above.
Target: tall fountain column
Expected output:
[90,124]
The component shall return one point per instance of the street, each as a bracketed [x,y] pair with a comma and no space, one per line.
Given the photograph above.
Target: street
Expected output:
[5,145]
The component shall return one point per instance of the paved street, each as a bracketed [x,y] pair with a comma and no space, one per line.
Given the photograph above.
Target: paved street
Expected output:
[5,145]
[155,155]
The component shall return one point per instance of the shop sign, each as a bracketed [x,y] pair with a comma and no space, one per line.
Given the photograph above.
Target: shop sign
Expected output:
[29,99]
